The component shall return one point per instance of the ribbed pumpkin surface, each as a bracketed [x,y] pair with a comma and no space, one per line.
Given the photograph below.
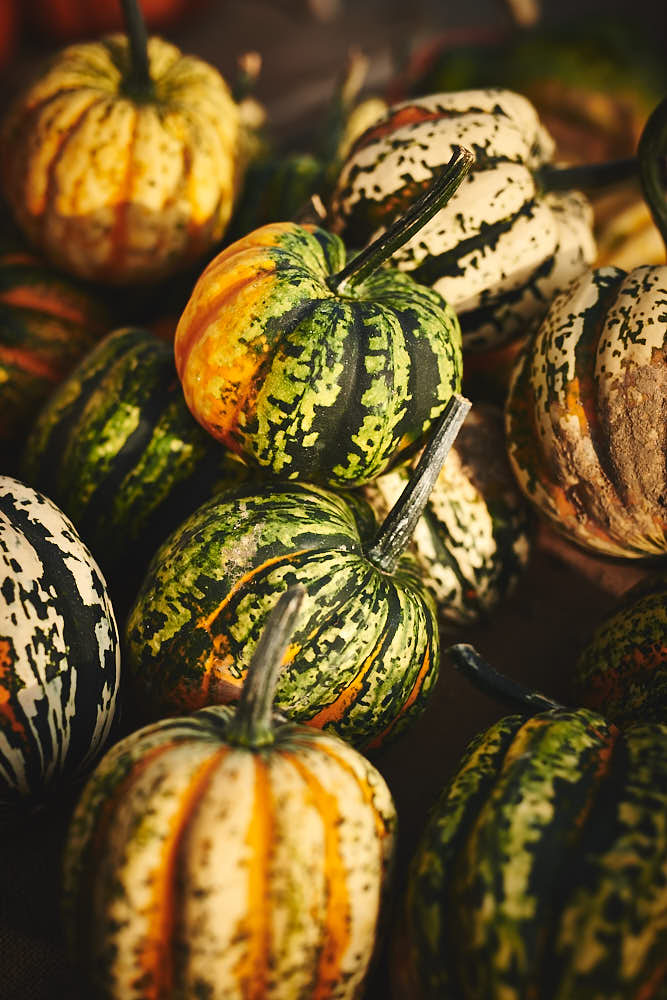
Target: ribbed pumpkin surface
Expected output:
[306,382]
[499,249]
[114,189]
[365,654]
[585,415]
[196,868]
[59,651]
[47,323]
[543,870]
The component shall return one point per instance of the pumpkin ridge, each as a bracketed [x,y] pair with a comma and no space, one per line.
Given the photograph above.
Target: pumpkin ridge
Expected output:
[51,185]
[121,205]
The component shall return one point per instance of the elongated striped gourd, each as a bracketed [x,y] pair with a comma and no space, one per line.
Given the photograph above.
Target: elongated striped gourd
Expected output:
[364,656]
[543,868]
[310,368]
[229,854]
[59,651]
[117,449]
[473,540]
[502,245]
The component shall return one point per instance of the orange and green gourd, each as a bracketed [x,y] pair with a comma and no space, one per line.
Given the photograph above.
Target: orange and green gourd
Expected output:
[311,368]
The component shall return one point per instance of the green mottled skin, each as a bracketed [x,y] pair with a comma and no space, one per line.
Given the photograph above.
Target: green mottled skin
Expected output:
[310,383]
[622,669]
[365,653]
[116,448]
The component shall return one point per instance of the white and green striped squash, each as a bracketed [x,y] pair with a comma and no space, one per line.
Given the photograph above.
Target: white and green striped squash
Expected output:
[473,540]
[59,651]
[502,245]
[229,854]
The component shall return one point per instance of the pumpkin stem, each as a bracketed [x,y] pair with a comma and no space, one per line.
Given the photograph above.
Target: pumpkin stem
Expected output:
[419,213]
[489,680]
[138,83]
[589,176]
[398,526]
[653,165]
[252,725]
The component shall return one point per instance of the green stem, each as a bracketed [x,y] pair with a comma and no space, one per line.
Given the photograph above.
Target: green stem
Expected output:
[252,725]
[589,176]
[138,82]
[489,680]
[419,213]
[398,526]
[653,165]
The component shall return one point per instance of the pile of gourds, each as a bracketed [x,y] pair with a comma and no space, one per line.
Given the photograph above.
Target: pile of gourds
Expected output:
[286,511]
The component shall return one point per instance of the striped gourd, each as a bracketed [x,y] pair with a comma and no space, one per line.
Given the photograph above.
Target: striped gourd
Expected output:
[121,161]
[117,449]
[59,651]
[310,368]
[473,540]
[503,244]
[585,414]
[543,868]
[47,322]
[365,655]
[621,671]
[229,855]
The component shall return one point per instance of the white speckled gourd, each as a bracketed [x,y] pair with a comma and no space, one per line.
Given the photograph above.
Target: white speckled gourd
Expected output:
[59,651]
[503,245]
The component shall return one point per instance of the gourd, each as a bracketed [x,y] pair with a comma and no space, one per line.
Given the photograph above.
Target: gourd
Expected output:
[542,868]
[47,323]
[310,368]
[121,162]
[365,655]
[585,414]
[117,449]
[230,853]
[59,651]
[473,540]
[621,669]
[514,232]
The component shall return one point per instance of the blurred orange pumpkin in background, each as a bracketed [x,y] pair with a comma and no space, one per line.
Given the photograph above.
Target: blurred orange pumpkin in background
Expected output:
[66,20]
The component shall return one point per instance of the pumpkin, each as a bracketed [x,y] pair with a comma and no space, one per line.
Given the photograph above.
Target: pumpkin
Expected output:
[121,161]
[229,854]
[504,242]
[47,323]
[59,651]
[310,368]
[542,870]
[117,449]
[365,655]
[67,20]
[585,414]
[473,540]
[621,669]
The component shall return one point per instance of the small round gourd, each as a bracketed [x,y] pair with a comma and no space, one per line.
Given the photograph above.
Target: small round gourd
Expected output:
[59,650]
[121,162]
[229,854]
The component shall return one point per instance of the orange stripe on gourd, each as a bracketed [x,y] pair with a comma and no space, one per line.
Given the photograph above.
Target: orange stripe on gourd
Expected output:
[6,671]
[335,711]
[424,670]
[28,362]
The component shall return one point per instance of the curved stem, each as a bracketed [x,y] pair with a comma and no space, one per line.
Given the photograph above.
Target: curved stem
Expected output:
[589,176]
[401,521]
[138,83]
[252,725]
[653,166]
[489,680]
[419,213]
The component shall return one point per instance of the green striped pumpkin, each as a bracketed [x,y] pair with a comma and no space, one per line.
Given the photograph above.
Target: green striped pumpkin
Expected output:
[621,669]
[365,655]
[59,651]
[229,855]
[473,540]
[310,368]
[503,244]
[117,449]
[47,323]
[543,868]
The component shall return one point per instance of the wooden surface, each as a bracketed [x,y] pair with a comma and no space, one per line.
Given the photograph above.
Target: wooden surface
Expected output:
[535,636]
